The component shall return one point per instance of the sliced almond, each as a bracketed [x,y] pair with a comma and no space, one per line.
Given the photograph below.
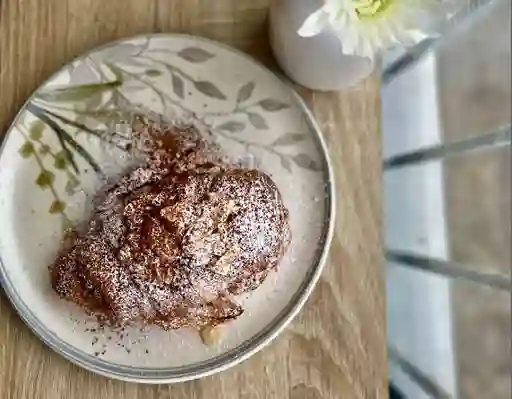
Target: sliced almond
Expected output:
[231,207]
[223,264]
[170,212]
[226,210]
[210,335]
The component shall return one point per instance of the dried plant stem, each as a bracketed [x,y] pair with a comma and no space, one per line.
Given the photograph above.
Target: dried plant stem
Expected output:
[65,140]
[100,135]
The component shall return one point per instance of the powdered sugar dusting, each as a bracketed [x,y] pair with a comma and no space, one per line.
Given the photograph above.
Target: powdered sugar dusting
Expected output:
[172,241]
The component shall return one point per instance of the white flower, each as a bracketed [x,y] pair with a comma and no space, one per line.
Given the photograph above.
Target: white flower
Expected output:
[366,27]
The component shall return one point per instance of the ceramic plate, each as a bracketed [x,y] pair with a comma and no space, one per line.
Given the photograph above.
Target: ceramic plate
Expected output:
[62,145]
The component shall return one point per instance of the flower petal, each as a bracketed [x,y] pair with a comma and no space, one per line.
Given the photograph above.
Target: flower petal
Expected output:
[336,8]
[314,24]
[400,22]
[350,40]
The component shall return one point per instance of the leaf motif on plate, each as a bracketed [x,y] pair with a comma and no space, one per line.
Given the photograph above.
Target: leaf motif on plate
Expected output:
[153,73]
[36,130]
[209,89]
[305,162]
[116,71]
[257,121]
[272,105]
[245,92]
[77,93]
[121,52]
[289,139]
[195,55]
[61,160]
[26,150]
[178,86]
[104,115]
[232,126]
[83,72]
[285,163]
[66,224]
[57,206]
[92,103]
[82,119]
[72,184]
[45,179]
[131,61]
[45,149]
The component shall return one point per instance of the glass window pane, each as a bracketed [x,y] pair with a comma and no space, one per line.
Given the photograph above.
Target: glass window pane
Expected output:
[478,201]
[460,89]
[456,209]
[482,340]
[473,71]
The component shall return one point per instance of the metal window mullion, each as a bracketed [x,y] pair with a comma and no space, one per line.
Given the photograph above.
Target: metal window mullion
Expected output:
[448,269]
[500,138]
[425,382]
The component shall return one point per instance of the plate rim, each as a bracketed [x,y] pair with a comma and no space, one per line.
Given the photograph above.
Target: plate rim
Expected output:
[244,350]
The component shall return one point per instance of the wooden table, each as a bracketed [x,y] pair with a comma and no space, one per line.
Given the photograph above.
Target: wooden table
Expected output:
[336,347]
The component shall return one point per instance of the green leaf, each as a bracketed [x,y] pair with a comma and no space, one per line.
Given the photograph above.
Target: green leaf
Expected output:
[36,130]
[209,89]
[104,116]
[257,121]
[305,161]
[273,105]
[232,126]
[26,150]
[153,73]
[45,179]
[78,93]
[245,92]
[57,207]
[289,139]
[195,55]
[61,160]
[178,87]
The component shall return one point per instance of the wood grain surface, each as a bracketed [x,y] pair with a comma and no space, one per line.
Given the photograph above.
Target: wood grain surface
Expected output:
[335,348]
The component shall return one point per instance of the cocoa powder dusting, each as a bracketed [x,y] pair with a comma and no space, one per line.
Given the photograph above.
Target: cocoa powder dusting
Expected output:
[173,241]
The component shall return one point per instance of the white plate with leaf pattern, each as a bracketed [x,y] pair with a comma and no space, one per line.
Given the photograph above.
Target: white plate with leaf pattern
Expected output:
[59,149]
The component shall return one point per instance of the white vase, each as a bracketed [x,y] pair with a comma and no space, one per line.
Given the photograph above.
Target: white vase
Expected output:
[316,62]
